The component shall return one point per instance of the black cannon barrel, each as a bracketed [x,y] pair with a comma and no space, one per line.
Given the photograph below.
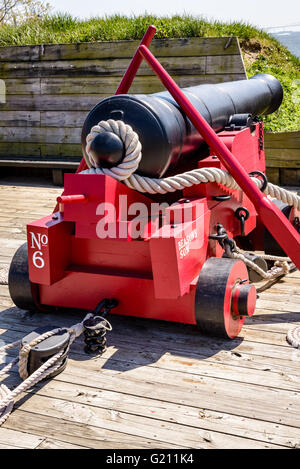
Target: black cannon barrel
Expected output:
[166,134]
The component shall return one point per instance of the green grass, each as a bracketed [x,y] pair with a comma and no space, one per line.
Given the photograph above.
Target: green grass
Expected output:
[261,52]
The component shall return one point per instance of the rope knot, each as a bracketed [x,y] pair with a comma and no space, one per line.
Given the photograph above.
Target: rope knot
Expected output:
[133,150]
[77,329]
[284,266]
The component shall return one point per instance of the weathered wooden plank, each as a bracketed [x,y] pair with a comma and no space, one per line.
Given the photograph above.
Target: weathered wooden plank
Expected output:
[19,149]
[290,176]
[285,305]
[62,119]
[10,447]
[122,49]
[192,390]
[141,84]
[153,427]
[31,86]
[51,102]
[218,64]
[283,158]
[224,64]
[64,150]
[44,163]
[273,175]
[51,443]
[197,418]
[287,296]
[19,119]
[22,53]
[77,433]
[69,68]
[283,153]
[17,438]
[282,140]
[36,150]
[180,47]
[57,135]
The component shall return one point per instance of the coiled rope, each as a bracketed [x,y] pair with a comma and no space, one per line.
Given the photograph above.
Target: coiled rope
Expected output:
[133,149]
[293,337]
[7,397]
[126,169]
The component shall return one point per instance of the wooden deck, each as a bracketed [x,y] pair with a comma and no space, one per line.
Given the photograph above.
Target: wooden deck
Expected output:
[158,385]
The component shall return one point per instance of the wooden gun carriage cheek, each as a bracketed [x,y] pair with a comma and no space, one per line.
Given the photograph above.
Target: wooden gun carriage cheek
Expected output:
[177,270]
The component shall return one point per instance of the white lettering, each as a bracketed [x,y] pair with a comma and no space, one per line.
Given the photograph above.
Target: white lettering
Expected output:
[37,260]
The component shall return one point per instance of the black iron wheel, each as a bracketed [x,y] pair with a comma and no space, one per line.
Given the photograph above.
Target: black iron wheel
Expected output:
[22,291]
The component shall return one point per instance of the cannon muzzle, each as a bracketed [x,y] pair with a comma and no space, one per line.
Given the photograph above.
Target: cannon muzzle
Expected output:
[165,132]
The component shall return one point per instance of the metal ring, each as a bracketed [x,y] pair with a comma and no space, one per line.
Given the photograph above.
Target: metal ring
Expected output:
[238,215]
[264,178]
[221,198]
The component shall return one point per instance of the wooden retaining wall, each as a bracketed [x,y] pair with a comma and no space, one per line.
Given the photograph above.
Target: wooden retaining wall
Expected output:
[283,157]
[51,88]
[46,92]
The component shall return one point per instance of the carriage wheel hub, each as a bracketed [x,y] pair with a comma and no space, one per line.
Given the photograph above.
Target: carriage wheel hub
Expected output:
[243,299]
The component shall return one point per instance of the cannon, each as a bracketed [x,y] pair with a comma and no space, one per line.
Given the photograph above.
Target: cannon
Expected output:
[166,135]
[162,209]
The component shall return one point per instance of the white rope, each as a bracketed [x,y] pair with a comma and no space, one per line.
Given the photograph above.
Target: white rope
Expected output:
[4,275]
[133,154]
[293,337]
[7,397]
[282,265]
[133,150]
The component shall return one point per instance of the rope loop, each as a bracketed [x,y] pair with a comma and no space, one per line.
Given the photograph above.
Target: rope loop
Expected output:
[7,397]
[133,150]
[293,337]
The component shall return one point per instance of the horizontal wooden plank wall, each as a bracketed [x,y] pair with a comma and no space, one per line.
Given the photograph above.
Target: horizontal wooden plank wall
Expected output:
[283,157]
[51,88]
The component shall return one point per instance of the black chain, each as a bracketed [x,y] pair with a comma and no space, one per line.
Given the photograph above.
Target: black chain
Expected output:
[260,136]
[220,235]
[96,327]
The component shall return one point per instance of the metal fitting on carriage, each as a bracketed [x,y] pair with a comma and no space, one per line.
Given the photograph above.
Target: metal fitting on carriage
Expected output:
[48,347]
[220,235]
[96,327]
[242,214]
